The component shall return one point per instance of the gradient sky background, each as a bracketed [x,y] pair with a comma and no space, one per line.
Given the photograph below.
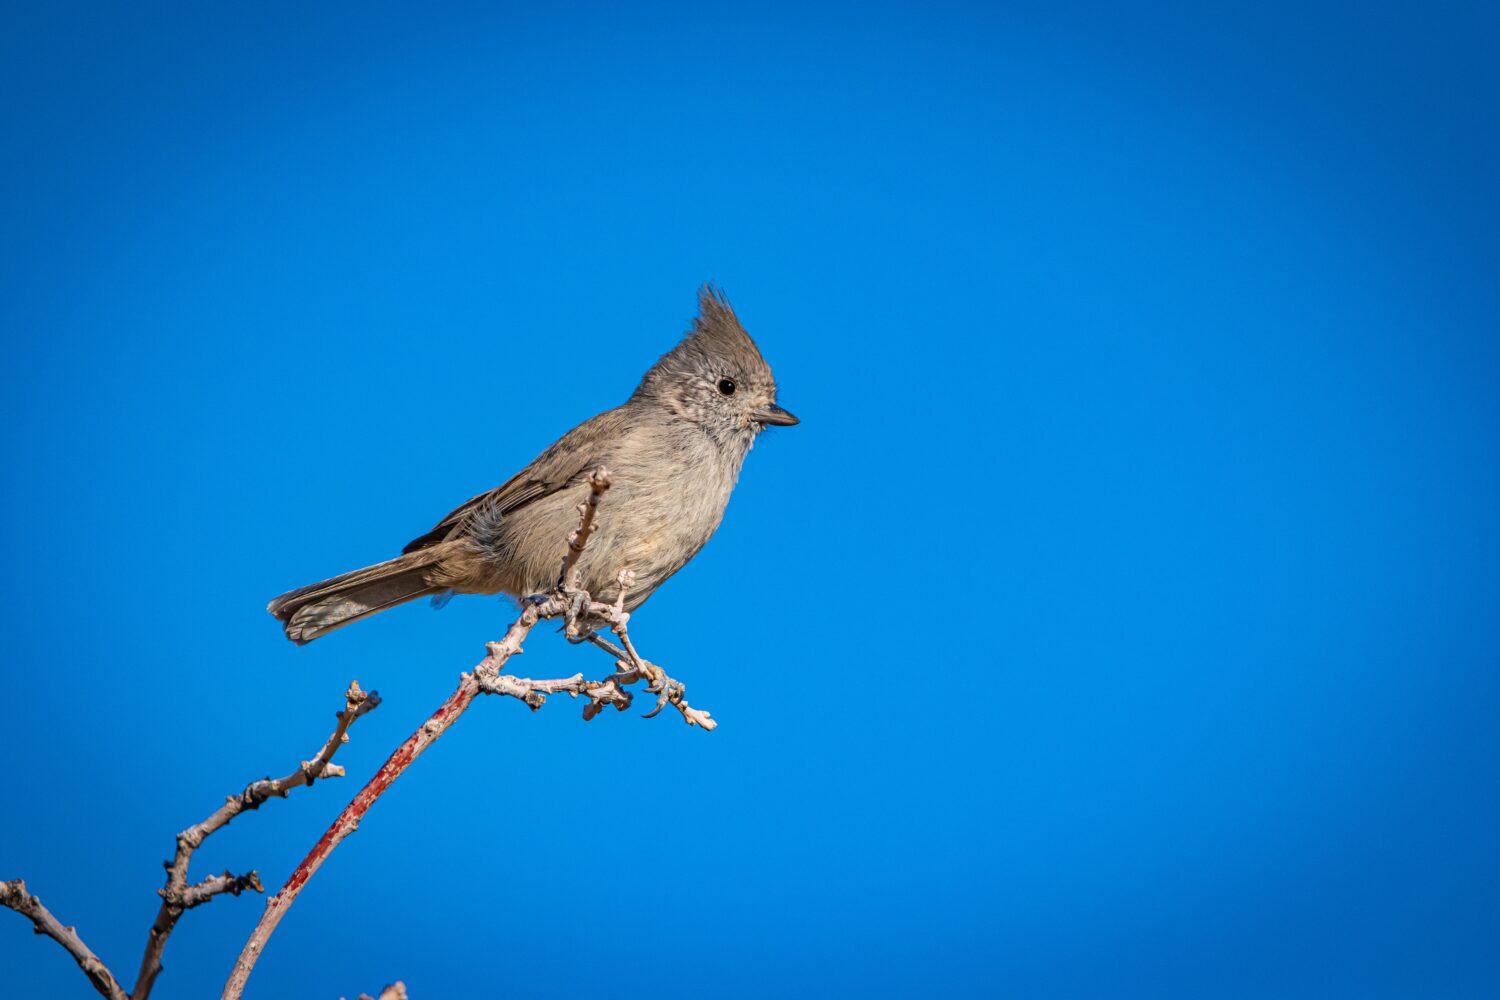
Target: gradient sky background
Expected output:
[1121,620]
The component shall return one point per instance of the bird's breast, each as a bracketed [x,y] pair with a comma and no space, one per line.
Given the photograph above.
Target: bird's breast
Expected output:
[667,500]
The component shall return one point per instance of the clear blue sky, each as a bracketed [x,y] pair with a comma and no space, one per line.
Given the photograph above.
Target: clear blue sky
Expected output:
[1121,620]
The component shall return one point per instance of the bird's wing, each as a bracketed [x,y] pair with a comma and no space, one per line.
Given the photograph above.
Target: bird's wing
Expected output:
[572,457]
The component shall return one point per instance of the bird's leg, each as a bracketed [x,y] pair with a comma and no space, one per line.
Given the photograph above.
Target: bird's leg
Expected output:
[630,666]
[595,639]
[658,682]
[576,627]
[617,618]
[667,690]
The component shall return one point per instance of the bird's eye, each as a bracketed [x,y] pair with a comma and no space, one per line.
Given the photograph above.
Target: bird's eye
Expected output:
[726,386]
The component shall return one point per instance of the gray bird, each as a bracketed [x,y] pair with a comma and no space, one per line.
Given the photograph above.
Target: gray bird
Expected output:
[674,451]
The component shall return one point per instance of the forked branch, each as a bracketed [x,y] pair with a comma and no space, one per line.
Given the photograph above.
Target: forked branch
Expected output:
[583,618]
[178,896]
[581,614]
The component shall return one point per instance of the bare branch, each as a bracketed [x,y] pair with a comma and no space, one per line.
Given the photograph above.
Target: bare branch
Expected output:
[581,615]
[14,895]
[403,757]
[599,481]
[609,691]
[215,885]
[579,611]
[178,896]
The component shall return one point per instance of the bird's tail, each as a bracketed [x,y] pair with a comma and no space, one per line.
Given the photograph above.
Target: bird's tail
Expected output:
[319,608]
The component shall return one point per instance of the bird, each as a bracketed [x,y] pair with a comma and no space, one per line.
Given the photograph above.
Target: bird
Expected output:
[674,451]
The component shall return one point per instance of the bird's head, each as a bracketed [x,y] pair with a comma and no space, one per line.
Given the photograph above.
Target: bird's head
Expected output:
[716,377]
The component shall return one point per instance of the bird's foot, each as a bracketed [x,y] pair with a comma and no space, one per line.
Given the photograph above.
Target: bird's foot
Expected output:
[576,628]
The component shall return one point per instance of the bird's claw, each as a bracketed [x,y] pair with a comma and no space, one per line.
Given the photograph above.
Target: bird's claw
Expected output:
[665,688]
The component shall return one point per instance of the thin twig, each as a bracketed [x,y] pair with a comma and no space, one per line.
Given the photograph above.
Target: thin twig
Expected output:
[607,691]
[599,481]
[177,896]
[348,821]
[14,895]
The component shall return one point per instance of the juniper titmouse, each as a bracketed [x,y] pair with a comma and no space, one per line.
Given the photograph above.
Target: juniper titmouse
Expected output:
[674,451]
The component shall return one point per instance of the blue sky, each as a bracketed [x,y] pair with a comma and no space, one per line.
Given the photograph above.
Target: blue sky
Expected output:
[1120,621]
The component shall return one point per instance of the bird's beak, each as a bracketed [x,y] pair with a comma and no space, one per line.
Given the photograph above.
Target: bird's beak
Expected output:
[773,414]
